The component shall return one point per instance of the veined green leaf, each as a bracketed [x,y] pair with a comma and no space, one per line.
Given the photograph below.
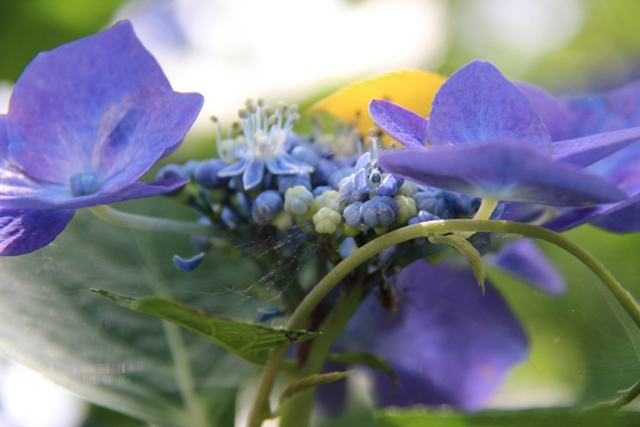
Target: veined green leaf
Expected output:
[251,341]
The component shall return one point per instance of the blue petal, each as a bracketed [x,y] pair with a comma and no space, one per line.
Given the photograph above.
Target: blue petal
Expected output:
[187,265]
[233,169]
[360,181]
[477,104]
[253,173]
[24,231]
[525,259]
[406,127]
[590,149]
[100,103]
[389,186]
[283,163]
[363,161]
[448,344]
[503,170]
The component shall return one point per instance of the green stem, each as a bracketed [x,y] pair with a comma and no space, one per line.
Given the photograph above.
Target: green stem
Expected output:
[626,397]
[297,411]
[395,237]
[487,206]
[184,376]
[141,222]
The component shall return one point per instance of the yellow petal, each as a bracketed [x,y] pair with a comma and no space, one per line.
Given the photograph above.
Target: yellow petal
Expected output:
[412,89]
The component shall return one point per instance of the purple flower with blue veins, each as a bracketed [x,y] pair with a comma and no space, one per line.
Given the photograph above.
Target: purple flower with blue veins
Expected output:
[86,121]
[448,344]
[488,141]
[263,144]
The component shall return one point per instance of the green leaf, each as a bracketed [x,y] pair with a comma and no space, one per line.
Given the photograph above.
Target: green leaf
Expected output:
[545,417]
[119,358]
[250,341]
[311,381]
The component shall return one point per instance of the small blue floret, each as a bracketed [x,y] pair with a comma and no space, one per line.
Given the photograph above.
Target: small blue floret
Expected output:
[187,265]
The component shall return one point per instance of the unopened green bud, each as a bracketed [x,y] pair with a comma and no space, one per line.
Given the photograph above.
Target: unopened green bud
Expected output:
[326,220]
[406,209]
[329,199]
[298,200]
[408,189]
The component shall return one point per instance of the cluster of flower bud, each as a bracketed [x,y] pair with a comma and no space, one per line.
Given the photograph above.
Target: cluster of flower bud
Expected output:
[304,184]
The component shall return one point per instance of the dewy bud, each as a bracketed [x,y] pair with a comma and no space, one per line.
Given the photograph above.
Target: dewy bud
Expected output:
[206,174]
[266,206]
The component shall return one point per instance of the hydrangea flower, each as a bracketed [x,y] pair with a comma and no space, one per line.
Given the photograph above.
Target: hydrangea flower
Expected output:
[86,121]
[488,141]
[583,116]
[447,344]
[263,144]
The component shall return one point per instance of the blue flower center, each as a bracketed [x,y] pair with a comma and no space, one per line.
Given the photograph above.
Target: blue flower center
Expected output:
[83,183]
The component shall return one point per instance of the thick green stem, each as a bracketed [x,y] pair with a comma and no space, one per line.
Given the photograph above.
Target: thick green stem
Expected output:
[141,222]
[297,411]
[395,237]
[625,398]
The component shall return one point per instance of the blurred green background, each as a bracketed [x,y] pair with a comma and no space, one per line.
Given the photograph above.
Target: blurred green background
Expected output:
[584,347]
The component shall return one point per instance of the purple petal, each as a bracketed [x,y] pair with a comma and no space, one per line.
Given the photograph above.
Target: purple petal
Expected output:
[56,200]
[572,218]
[522,212]
[477,104]
[617,109]
[503,170]
[100,103]
[24,231]
[448,344]
[621,168]
[4,140]
[554,112]
[525,259]
[406,127]
[623,217]
[585,151]
[149,130]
